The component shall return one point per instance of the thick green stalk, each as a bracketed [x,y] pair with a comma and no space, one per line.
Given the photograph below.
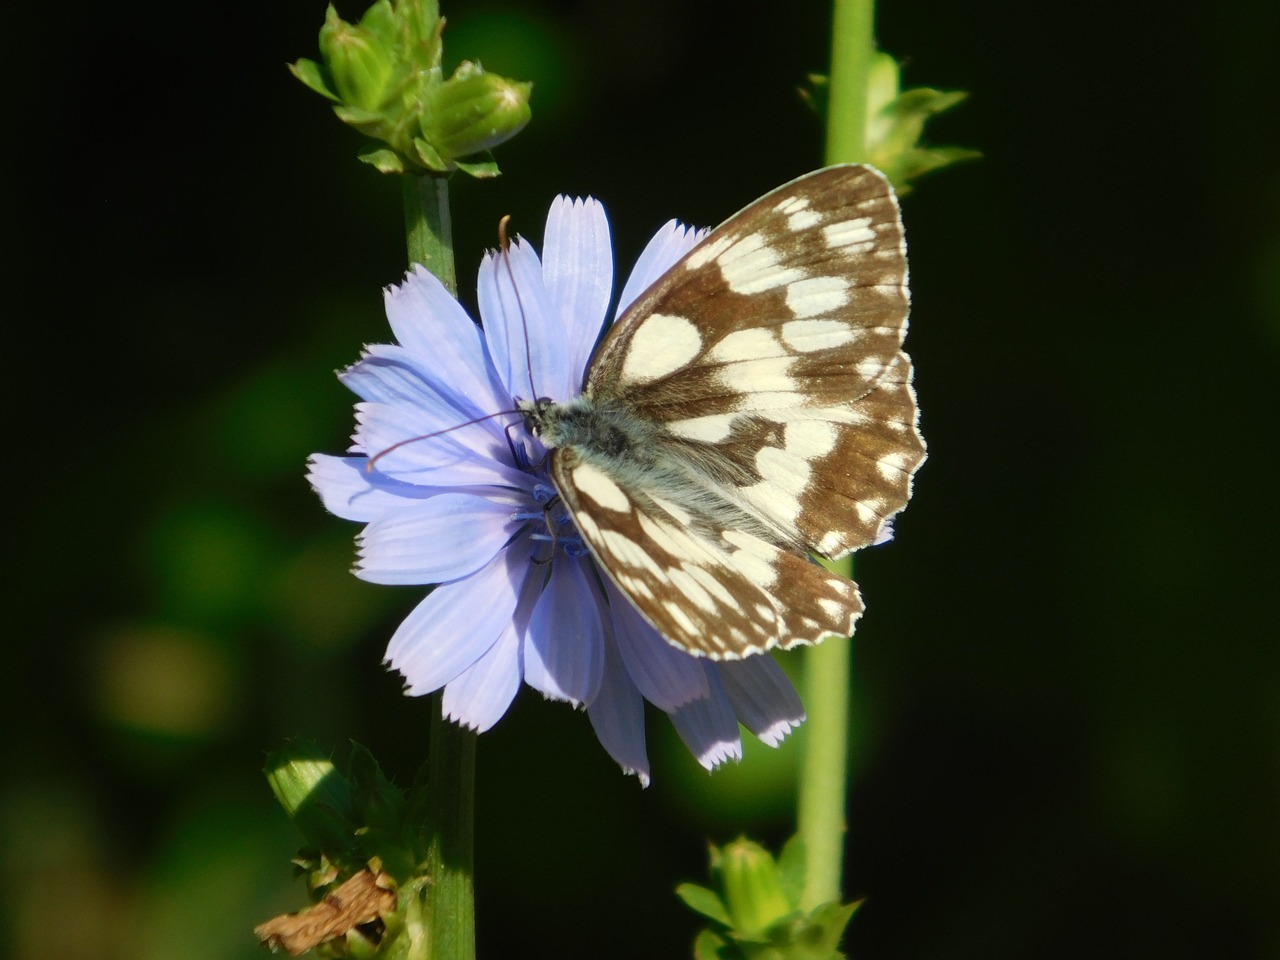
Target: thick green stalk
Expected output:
[451,781]
[823,789]
[853,48]
[451,762]
[428,229]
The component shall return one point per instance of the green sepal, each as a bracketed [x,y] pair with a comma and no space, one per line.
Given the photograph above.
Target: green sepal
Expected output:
[383,21]
[366,121]
[384,159]
[315,77]
[429,157]
[424,36]
[705,901]
[480,169]
[792,863]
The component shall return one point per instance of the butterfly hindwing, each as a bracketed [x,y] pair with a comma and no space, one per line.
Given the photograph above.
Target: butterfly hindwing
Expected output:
[716,594]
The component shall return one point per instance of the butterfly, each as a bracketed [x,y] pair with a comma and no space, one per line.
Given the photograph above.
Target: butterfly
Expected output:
[753,407]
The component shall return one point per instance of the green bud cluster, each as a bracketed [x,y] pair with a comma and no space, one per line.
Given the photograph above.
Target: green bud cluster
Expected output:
[352,822]
[755,909]
[385,78]
[895,123]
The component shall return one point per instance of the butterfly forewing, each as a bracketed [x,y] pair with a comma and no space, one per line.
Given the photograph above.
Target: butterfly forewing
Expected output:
[765,372]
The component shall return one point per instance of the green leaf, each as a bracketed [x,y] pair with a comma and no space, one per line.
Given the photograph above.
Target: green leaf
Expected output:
[315,77]
[704,901]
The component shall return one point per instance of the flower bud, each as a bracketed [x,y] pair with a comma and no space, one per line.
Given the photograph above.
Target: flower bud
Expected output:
[314,795]
[360,57]
[475,111]
[752,887]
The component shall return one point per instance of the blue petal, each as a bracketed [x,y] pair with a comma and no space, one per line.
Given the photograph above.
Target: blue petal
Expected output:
[389,373]
[408,446]
[763,697]
[617,716]
[432,325]
[526,337]
[709,727]
[438,539]
[353,493]
[480,695]
[577,272]
[564,641]
[672,241]
[666,677]
[456,625]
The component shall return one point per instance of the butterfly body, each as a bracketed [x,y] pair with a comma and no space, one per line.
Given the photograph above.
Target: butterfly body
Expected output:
[752,407]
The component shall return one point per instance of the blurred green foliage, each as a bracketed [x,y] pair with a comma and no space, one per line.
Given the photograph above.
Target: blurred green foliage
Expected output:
[1067,681]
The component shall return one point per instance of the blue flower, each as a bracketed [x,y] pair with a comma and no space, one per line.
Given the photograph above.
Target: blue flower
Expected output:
[453,491]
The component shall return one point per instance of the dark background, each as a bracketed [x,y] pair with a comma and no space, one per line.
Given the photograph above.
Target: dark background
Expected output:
[1067,720]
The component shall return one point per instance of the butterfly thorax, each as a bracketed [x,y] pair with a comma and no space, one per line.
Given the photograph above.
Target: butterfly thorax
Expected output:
[591,428]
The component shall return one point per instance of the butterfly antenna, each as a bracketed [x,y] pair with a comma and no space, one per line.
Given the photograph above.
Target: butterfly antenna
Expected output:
[368,467]
[505,246]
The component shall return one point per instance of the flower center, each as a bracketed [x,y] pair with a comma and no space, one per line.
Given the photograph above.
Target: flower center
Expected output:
[552,526]
[551,523]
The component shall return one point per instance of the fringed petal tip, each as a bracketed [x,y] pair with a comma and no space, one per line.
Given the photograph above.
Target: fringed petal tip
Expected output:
[779,730]
[720,753]
[641,775]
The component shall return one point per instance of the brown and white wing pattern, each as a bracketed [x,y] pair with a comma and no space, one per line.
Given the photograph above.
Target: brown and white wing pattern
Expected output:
[758,407]
[723,594]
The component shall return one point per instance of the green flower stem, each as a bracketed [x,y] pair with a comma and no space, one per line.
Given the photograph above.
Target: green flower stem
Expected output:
[823,789]
[451,762]
[428,229]
[853,48]
[451,783]
[820,806]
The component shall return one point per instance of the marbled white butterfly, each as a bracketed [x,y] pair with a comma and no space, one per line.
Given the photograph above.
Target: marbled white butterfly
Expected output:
[752,407]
